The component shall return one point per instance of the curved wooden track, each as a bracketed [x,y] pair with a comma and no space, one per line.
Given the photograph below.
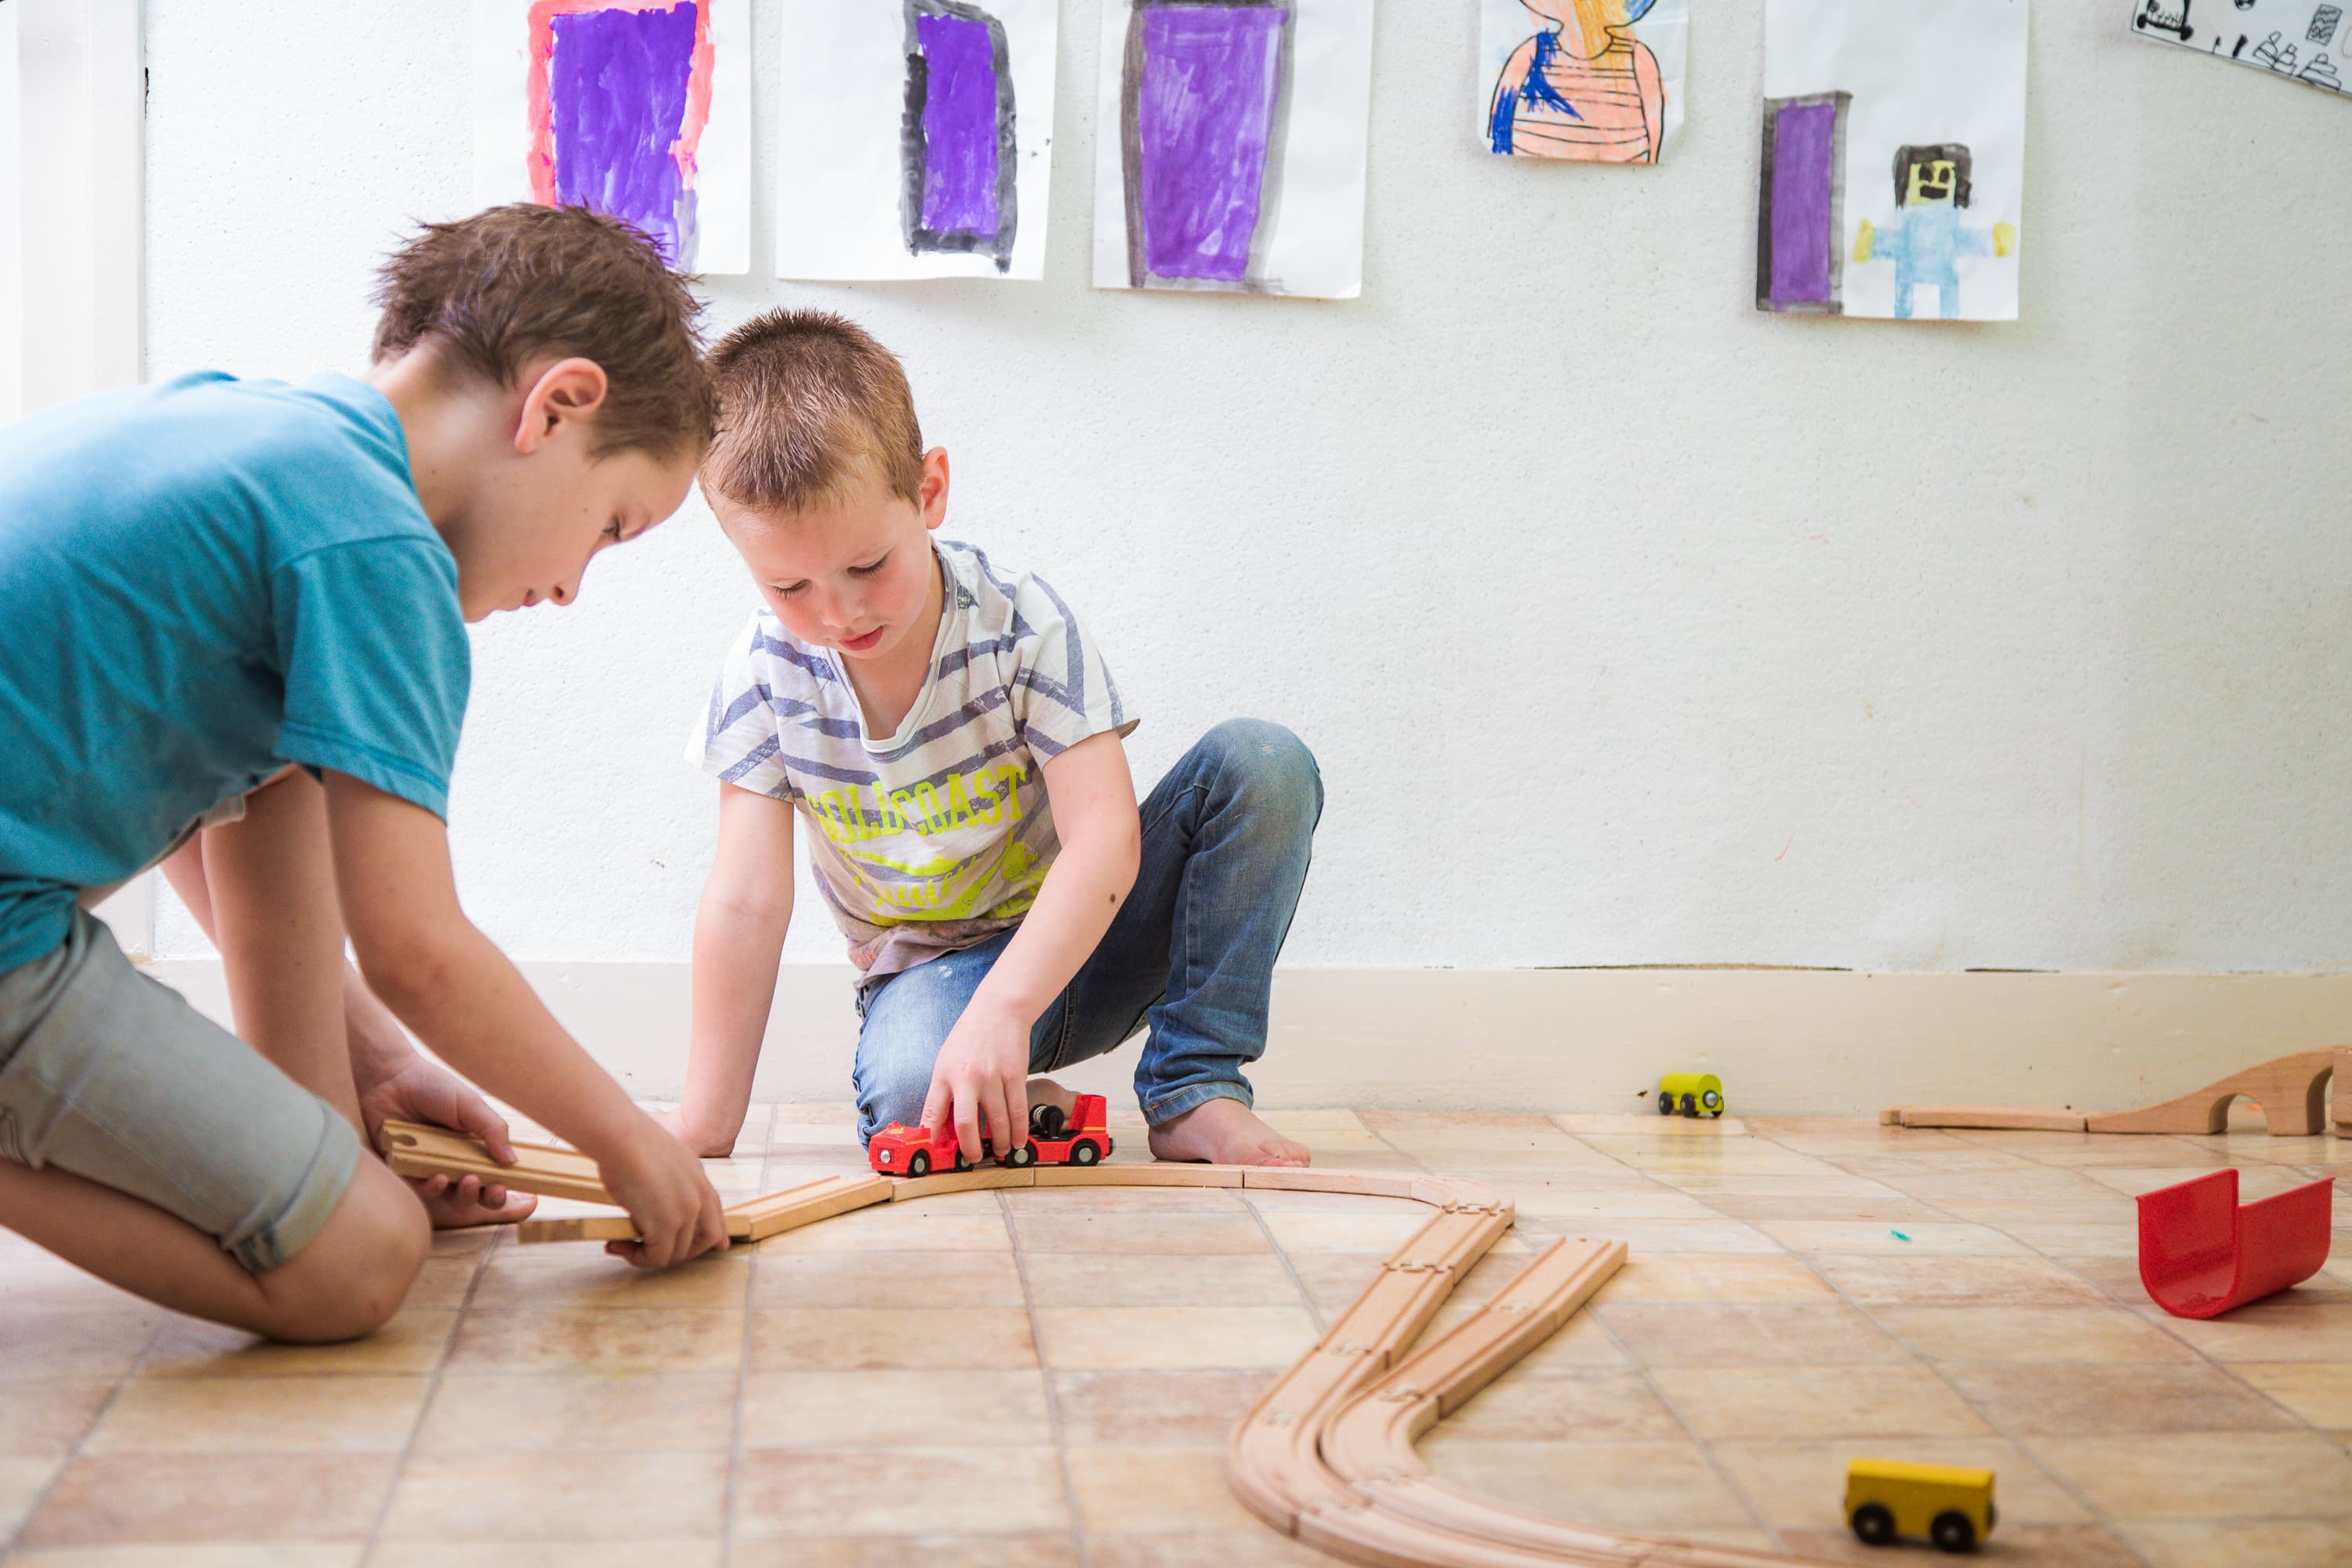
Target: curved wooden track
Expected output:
[1326,1454]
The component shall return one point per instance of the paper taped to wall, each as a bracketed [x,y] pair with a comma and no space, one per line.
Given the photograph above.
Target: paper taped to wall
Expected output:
[2301,41]
[1597,82]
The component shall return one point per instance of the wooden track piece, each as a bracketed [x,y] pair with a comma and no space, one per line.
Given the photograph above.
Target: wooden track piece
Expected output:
[1141,1174]
[578,1227]
[1991,1117]
[1307,1179]
[411,1149]
[796,1206]
[980,1179]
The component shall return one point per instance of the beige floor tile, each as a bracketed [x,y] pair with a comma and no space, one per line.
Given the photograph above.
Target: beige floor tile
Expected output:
[1503,1166]
[1300,1123]
[580,1340]
[898,1227]
[2113,1152]
[1160,1279]
[2320,1392]
[979,1491]
[213,1554]
[569,1276]
[2280,1475]
[1059,1551]
[1850,1239]
[1122,1200]
[2027,1184]
[1881,1281]
[2255,1181]
[443,1282]
[1148,1409]
[559,1412]
[1659,1236]
[273,1415]
[1139,1231]
[2280,1328]
[46,1418]
[1380,1232]
[1716,1277]
[1700,1157]
[1153,1491]
[1078,1339]
[1583,1343]
[2006,1214]
[1276,1200]
[1707,1333]
[22,1482]
[2031,1399]
[1758,1208]
[1618,1486]
[2022,1545]
[550,1497]
[1569,1405]
[1747,1403]
[1650,1123]
[887,1279]
[46,1344]
[1255,1547]
[413,1342]
[104,1499]
[894,1408]
[1836,1184]
[2016,1333]
[1898,1170]
[1332,1279]
[849,1338]
[1802,1485]
[1646,1201]
[34,1280]
[2244,1543]
[1512,1127]
[550,1554]
[2070,1240]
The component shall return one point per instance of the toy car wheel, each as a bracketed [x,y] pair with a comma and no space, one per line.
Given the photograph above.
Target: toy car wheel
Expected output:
[1711,1102]
[1024,1156]
[1084,1153]
[918,1164]
[1666,1104]
[1047,1121]
[1690,1105]
[1874,1524]
[1952,1531]
[961,1163]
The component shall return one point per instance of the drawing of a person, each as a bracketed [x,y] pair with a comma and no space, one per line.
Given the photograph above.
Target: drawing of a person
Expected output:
[1584,87]
[1927,239]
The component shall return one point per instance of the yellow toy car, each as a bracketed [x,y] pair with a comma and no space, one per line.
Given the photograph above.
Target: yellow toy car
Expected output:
[1951,1506]
[1692,1093]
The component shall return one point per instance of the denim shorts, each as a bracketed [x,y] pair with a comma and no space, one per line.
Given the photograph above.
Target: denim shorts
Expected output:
[113,1077]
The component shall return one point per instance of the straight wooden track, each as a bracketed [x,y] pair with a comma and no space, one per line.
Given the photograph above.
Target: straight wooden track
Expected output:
[1326,1454]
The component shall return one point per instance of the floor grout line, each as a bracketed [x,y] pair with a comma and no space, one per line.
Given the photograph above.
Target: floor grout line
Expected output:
[482,1256]
[1045,1384]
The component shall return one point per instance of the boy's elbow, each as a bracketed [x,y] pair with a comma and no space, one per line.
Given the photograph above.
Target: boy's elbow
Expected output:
[406,966]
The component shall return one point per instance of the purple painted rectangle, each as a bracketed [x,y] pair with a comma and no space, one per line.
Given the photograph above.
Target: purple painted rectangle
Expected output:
[1205,102]
[617,87]
[960,135]
[1804,175]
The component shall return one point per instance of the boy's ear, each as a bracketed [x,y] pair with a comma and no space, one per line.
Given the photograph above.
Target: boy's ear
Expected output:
[934,488]
[569,390]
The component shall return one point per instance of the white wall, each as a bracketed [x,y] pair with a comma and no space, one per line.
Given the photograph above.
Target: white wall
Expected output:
[1631,626]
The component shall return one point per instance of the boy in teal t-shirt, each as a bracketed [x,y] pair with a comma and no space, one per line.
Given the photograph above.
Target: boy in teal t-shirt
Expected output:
[235,620]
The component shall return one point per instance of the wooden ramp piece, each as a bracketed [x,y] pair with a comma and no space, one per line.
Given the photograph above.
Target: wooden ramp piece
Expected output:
[2291,1091]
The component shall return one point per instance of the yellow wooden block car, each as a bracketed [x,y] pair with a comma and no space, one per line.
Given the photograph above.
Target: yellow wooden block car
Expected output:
[1951,1506]
[1692,1093]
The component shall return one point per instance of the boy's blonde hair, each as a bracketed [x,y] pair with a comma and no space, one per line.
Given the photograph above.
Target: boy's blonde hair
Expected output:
[514,284]
[805,399]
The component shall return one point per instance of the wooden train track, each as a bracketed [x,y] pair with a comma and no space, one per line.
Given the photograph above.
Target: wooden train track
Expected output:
[1326,1454]
[2291,1091]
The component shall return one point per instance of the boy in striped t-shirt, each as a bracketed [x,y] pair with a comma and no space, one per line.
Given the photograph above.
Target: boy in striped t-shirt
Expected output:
[950,740]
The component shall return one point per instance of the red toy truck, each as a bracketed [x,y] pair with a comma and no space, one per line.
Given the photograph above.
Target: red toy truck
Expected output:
[898,1151]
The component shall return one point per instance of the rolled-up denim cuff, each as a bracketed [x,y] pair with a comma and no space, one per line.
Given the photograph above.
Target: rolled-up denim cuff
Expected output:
[269,1240]
[1177,1101]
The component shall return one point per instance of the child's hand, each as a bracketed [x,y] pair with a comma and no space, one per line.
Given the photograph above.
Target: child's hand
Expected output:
[983,1076]
[661,1184]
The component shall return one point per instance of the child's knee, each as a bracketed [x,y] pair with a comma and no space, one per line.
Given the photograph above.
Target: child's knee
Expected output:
[1270,769]
[891,1092]
[353,1276]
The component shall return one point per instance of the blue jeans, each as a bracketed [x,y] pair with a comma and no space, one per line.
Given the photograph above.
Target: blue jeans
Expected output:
[1226,838]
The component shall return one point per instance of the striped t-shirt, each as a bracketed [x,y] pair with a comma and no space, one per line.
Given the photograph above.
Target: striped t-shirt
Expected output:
[936,837]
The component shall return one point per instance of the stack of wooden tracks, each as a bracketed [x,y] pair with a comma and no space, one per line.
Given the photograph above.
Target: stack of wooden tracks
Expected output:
[1327,1455]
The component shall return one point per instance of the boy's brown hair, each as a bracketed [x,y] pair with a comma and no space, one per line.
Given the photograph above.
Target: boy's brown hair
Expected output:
[805,399]
[512,284]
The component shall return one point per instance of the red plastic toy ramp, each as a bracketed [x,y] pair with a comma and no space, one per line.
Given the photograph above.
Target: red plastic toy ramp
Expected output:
[2201,1252]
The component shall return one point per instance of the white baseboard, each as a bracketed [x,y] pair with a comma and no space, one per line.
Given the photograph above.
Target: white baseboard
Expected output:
[1785,1042]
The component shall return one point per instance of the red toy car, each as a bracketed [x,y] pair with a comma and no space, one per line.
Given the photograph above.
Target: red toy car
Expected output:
[897,1151]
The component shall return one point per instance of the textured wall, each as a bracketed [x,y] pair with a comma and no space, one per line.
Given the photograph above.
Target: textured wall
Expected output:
[1631,626]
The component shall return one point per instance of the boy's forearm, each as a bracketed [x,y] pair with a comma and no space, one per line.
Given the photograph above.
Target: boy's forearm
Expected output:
[1080,896]
[736,952]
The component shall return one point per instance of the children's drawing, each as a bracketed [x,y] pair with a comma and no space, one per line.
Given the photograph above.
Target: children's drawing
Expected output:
[915,138]
[638,109]
[1893,166]
[957,148]
[1237,163]
[1801,204]
[2292,38]
[1928,238]
[1583,84]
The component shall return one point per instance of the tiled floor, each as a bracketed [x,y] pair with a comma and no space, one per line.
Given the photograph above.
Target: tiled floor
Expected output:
[1045,1377]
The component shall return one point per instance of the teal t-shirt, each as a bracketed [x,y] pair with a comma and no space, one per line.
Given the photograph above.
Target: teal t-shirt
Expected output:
[200,582]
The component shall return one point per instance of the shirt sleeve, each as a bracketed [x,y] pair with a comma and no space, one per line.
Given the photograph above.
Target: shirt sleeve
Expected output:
[1062,691]
[372,646]
[735,740]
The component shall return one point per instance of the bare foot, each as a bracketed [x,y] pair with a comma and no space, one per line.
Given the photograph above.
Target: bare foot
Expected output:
[705,1145]
[466,1202]
[1224,1131]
